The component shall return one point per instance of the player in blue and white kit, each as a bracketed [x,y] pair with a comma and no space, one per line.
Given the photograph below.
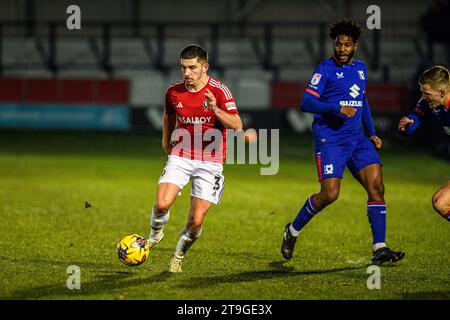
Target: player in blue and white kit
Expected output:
[435,103]
[336,96]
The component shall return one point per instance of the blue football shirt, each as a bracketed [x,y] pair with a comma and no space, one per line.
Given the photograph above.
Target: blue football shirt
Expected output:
[339,85]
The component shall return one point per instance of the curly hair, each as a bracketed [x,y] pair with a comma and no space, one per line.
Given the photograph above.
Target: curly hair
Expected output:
[348,27]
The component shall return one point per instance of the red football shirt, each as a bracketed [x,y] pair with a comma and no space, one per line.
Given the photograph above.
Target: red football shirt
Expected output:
[194,119]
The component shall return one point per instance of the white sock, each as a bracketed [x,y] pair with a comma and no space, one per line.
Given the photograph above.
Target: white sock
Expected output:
[378,245]
[157,224]
[187,239]
[294,232]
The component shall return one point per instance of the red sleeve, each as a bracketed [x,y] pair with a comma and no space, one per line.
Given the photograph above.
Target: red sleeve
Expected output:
[419,111]
[225,100]
[169,109]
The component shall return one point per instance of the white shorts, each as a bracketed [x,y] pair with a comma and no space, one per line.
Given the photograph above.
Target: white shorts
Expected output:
[208,182]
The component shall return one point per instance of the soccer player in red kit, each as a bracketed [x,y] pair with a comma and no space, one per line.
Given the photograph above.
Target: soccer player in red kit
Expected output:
[197,106]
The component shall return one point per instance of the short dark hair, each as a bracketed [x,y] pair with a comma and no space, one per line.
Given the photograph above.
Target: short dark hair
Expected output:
[346,26]
[193,51]
[435,76]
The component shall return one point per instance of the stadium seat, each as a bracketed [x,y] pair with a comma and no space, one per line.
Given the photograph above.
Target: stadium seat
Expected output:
[147,89]
[21,51]
[82,73]
[297,73]
[287,52]
[128,51]
[72,53]
[251,88]
[26,72]
[395,52]
[237,52]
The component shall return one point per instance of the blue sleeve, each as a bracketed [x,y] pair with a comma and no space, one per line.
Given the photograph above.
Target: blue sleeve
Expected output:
[311,100]
[311,103]
[418,114]
[318,81]
[367,117]
[417,122]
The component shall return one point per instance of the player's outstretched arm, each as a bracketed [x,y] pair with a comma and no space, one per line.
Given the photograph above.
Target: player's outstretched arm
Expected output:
[169,123]
[229,121]
[404,124]
[408,124]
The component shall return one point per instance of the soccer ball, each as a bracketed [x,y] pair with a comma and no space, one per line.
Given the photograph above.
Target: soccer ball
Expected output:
[133,250]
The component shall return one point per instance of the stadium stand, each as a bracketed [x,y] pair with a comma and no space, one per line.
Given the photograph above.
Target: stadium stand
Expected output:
[251,47]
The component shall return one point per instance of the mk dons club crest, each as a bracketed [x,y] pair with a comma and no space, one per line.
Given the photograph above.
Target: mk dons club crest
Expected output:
[361,75]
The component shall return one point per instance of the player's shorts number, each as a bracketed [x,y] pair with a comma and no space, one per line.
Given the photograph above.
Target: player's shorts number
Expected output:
[217,183]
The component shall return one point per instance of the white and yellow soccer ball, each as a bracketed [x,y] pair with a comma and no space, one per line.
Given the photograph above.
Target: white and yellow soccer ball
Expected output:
[133,250]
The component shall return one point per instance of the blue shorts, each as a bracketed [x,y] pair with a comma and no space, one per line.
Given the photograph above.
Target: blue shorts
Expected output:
[331,160]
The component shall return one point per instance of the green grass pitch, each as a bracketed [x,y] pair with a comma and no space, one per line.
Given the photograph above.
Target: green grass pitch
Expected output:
[46,177]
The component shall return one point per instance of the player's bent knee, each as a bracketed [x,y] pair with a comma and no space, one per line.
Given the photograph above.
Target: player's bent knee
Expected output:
[441,206]
[379,190]
[376,192]
[330,197]
[195,222]
[196,219]
[376,196]
[162,207]
[194,227]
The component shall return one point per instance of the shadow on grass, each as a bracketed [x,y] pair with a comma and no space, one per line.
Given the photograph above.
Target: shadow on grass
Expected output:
[112,281]
[104,284]
[94,266]
[277,270]
[98,267]
[107,278]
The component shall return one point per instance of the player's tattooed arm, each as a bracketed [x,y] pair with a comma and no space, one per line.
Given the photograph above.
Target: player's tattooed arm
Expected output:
[229,121]
[169,122]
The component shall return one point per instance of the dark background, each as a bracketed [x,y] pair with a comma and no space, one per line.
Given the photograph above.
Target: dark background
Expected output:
[126,54]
